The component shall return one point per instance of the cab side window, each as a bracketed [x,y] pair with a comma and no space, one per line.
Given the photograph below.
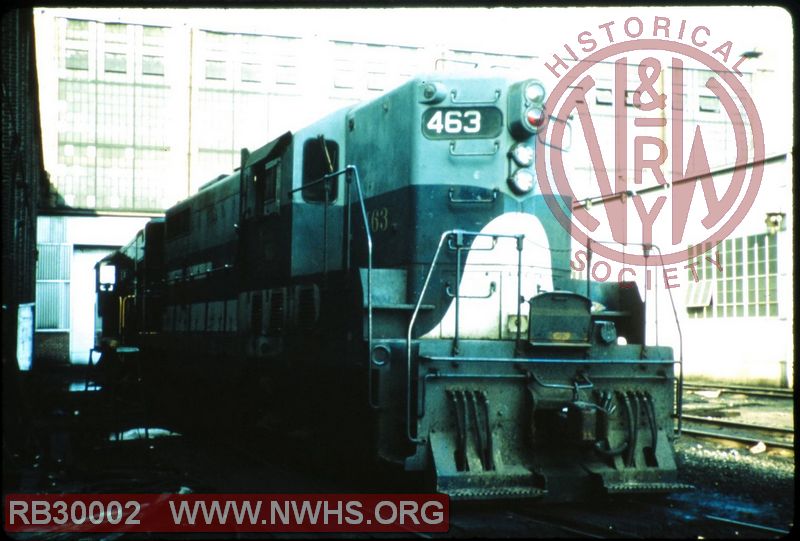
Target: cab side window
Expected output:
[266,178]
[320,157]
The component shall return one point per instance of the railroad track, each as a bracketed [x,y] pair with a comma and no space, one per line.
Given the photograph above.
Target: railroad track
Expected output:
[763,392]
[742,432]
[739,524]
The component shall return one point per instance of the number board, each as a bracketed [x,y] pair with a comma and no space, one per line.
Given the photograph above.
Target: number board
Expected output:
[462,122]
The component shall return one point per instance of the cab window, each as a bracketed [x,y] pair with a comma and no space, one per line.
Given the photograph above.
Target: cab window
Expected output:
[320,157]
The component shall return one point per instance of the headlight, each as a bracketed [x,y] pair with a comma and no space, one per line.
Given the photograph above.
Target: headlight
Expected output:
[535,117]
[526,112]
[522,155]
[534,92]
[521,182]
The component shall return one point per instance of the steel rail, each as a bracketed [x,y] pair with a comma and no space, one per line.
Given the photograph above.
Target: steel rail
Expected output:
[767,392]
[735,437]
[735,424]
[747,525]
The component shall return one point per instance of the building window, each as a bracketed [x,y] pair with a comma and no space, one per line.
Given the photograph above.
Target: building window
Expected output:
[739,279]
[729,294]
[376,81]
[320,157]
[77,30]
[116,33]
[709,104]
[762,275]
[153,35]
[603,96]
[216,70]
[76,59]
[217,41]
[251,73]
[116,63]
[152,65]
[286,73]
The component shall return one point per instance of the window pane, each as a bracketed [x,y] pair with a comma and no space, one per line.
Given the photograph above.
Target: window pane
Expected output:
[773,266]
[251,73]
[77,30]
[603,96]
[116,33]
[77,59]
[116,62]
[772,294]
[153,35]
[216,69]
[709,104]
[152,65]
[319,160]
[216,41]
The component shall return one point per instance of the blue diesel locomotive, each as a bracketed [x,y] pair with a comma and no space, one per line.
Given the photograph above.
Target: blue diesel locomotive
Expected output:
[391,278]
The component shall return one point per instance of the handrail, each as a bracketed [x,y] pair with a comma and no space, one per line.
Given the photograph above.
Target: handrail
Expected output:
[352,172]
[408,336]
[679,391]
[415,313]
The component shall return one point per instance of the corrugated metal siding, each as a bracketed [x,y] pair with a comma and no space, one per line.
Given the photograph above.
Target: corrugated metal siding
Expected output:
[54,261]
[52,308]
[52,285]
[52,229]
